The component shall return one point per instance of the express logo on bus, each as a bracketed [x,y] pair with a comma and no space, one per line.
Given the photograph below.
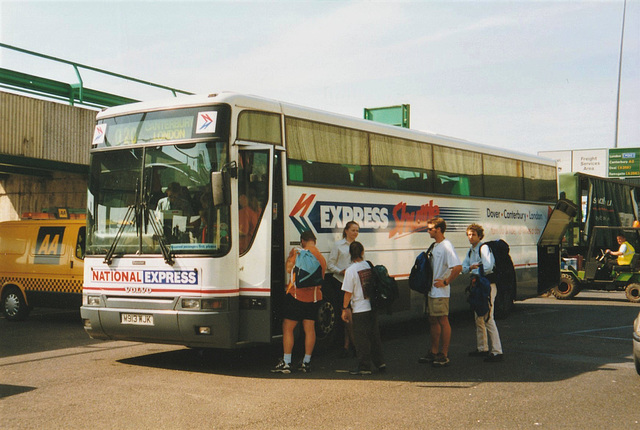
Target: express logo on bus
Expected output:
[158,277]
[326,217]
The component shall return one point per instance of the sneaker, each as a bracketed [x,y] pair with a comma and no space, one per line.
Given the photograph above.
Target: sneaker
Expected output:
[477,353]
[304,367]
[493,358]
[427,358]
[360,371]
[382,368]
[281,367]
[441,360]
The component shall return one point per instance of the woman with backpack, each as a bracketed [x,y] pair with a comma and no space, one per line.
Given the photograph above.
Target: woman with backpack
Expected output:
[356,308]
[300,303]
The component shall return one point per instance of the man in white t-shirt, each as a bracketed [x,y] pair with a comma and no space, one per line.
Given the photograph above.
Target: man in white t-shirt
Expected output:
[446,267]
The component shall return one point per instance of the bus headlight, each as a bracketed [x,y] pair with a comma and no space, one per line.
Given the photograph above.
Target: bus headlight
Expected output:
[92,300]
[190,303]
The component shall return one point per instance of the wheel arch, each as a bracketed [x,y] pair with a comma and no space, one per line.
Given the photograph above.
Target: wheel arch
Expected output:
[7,285]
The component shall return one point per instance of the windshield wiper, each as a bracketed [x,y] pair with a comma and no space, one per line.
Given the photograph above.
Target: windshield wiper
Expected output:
[147,214]
[108,259]
[159,234]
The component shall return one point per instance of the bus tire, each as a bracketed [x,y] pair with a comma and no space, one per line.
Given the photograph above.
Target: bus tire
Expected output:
[567,288]
[326,324]
[14,305]
[633,293]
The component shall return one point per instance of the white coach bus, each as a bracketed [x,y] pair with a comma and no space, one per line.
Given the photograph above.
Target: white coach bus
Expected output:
[194,203]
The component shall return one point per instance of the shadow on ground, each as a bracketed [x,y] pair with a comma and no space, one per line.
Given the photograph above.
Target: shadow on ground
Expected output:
[543,341]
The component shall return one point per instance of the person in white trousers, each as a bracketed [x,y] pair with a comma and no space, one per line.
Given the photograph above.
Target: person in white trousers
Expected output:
[486,328]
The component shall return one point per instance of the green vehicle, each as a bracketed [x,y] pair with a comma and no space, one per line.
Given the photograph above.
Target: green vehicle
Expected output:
[591,272]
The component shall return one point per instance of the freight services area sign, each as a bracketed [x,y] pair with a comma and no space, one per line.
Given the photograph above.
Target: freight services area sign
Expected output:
[624,162]
[606,163]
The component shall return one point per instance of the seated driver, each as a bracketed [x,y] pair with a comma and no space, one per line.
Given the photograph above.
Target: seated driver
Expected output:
[624,253]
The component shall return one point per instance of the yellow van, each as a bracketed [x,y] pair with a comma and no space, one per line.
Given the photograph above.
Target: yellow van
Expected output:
[41,264]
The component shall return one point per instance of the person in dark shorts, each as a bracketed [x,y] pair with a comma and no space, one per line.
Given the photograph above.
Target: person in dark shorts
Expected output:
[300,304]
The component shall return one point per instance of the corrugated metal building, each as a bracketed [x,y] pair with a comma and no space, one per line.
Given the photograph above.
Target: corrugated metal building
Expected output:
[44,155]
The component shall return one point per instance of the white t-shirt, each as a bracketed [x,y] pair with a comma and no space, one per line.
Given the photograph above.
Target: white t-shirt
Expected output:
[444,258]
[353,277]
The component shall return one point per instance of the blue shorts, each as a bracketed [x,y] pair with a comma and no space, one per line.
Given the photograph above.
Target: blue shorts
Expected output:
[295,310]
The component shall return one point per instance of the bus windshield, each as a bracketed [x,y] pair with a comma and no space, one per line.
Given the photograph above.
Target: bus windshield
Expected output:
[143,198]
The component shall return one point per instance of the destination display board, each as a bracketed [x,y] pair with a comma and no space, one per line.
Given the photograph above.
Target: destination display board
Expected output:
[162,126]
[624,162]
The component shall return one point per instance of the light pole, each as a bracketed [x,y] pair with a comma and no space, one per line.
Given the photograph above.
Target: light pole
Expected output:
[624,12]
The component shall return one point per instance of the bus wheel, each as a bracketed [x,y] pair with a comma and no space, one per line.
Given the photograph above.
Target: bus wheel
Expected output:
[325,325]
[14,306]
[567,288]
[633,293]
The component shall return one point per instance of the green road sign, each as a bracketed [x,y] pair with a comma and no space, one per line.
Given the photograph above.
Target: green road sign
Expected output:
[624,162]
[393,115]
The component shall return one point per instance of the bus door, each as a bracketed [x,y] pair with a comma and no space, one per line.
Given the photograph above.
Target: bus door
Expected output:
[258,207]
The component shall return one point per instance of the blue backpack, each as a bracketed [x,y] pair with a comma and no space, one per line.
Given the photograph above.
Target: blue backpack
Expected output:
[480,295]
[421,276]
[307,270]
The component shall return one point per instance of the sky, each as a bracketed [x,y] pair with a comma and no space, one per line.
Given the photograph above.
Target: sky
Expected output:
[525,75]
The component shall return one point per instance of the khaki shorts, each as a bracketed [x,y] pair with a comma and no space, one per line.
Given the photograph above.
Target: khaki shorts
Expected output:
[438,306]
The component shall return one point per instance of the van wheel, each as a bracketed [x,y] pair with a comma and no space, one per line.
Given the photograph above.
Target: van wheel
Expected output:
[14,306]
[567,288]
[633,293]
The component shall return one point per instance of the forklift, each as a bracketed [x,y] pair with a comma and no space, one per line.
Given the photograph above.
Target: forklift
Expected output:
[591,272]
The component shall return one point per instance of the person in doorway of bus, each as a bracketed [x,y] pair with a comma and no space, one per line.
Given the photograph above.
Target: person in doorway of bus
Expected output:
[356,308]
[247,219]
[446,267]
[623,255]
[486,328]
[300,305]
[339,260]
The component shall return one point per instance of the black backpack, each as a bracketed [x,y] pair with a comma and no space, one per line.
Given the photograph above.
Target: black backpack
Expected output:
[385,289]
[504,273]
[421,276]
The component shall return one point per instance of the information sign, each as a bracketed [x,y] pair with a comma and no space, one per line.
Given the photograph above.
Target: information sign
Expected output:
[624,162]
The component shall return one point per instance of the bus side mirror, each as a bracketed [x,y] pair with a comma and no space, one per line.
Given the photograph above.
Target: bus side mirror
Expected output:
[220,189]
